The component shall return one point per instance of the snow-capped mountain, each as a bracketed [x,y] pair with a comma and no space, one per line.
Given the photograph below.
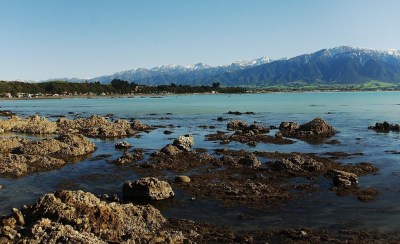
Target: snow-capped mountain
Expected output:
[340,65]
[178,74]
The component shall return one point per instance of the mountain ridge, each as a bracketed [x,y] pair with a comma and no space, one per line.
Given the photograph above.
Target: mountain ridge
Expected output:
[338,65]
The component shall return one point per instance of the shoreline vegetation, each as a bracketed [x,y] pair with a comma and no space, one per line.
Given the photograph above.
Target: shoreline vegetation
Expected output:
[63,89]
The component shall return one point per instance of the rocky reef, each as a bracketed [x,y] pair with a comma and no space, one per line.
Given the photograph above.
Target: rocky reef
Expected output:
[23,156]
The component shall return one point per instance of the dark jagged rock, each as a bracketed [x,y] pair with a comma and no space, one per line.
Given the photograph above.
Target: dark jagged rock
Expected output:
[343,179]
[385,127]
[237,125]
[314,130]
[128,157]
[122,145]
[297,163]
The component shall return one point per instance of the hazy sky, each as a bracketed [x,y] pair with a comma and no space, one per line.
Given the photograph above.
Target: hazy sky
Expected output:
[41,39]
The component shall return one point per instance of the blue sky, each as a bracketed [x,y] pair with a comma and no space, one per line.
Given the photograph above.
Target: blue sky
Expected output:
[41,39]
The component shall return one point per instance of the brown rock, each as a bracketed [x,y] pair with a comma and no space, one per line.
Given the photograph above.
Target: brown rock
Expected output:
[182,179]
[79,217]
[170,150]
[343,179]
[148,188]
[63,146]
[313,130]
[34,124]
[127,158]
[97,126]
[237,125]
[19,165]
[297,163]
[184,142]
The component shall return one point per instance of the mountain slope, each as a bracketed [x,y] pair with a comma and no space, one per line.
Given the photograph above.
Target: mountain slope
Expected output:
[178,74]
[341,65]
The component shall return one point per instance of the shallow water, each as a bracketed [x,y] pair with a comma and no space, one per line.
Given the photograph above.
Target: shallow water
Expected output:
[349,113]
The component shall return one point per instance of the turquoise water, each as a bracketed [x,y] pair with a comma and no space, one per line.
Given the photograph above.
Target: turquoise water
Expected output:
[349,113]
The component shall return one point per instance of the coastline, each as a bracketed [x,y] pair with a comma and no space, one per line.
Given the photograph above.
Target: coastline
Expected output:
[157,95]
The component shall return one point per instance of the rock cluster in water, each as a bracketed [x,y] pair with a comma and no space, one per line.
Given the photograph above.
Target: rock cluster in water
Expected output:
[385,127]
[314,130]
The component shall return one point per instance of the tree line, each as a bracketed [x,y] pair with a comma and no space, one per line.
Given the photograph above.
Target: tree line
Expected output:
[116,86]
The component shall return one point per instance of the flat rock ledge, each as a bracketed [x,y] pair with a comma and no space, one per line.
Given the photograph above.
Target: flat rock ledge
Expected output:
[21,156]
[95,126]
[100,127]
[34,124]
[81,217]
[147,188]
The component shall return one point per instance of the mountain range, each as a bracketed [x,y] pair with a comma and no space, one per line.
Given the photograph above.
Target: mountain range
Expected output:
[340,65]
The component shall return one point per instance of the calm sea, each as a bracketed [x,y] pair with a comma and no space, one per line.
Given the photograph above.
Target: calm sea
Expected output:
[349,113]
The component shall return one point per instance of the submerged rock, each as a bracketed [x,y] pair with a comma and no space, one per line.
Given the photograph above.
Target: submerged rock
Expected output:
[297,163]
[128,158]
[147,188]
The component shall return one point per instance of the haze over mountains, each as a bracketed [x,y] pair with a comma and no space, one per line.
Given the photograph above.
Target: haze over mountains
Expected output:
[340,65]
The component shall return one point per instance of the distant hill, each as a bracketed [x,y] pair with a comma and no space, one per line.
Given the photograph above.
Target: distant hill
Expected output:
[341,65]
[167,74]
[336,66]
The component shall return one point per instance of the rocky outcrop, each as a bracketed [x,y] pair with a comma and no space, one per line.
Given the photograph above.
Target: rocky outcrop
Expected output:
[122,145]
[248,160]
[79,217]
[385,127]
[34,124]
[99,127]
[297,163]
[343,179]
[180,144]
[128,157]
[23,156]
[63,146]
[184,142]
[237,125]
[314,130]
[148,188]
[7,113]
[19,165]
